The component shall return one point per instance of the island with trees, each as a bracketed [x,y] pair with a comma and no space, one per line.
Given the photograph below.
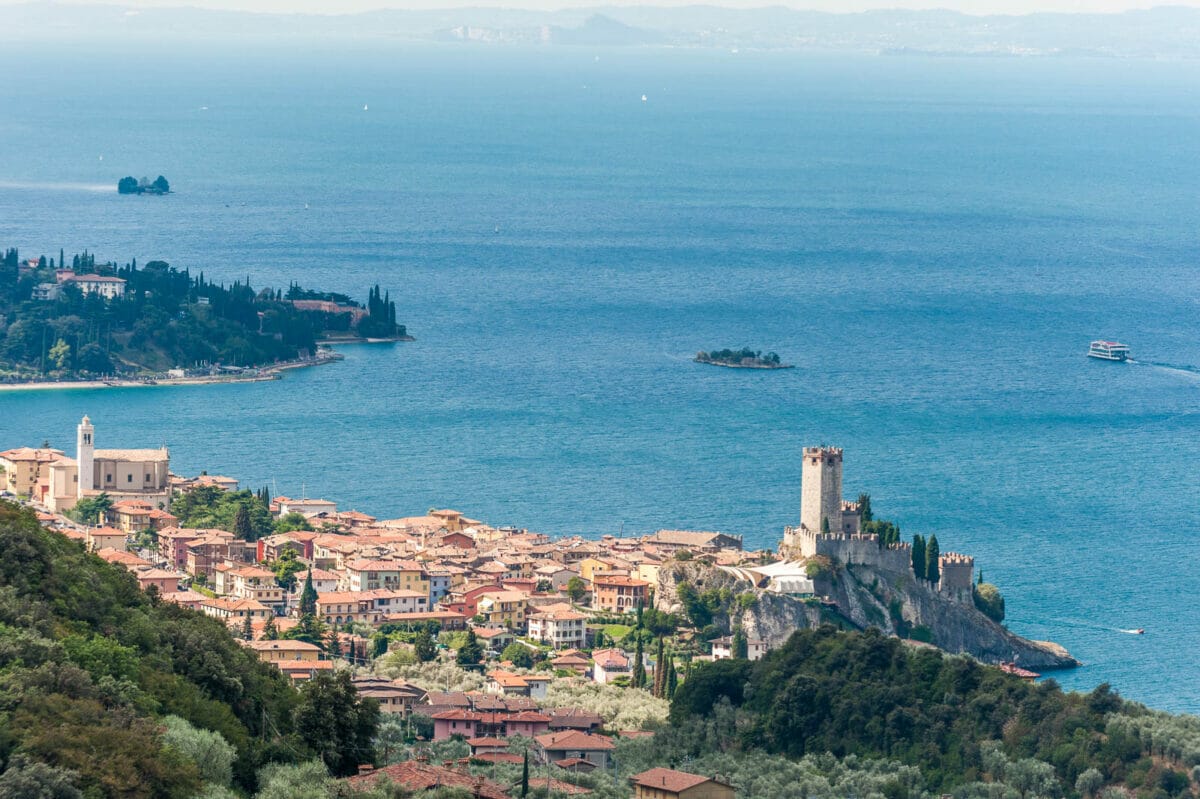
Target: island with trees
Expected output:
[131,185]
[101,322]
[744,358]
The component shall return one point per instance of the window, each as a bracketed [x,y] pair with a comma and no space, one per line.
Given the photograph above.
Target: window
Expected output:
[108,478]
[129,478]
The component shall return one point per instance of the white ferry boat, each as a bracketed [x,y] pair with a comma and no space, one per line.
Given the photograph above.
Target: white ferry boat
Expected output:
[1109,351]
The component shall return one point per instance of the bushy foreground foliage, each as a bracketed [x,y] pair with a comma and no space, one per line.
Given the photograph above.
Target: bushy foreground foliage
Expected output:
[122,695]
[962,723]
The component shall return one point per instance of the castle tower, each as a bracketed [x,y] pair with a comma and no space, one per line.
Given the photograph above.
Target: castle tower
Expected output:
[85,446]
[821,489]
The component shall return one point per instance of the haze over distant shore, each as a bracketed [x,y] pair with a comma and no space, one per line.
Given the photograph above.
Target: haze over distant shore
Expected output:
[1171,32]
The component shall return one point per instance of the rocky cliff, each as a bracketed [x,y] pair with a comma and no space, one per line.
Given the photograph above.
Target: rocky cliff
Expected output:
[858,596]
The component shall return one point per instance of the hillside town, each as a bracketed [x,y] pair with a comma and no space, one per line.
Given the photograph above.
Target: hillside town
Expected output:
[461,630]
[514,611]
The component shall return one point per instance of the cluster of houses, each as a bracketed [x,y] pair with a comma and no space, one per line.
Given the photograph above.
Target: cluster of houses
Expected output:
[438,569]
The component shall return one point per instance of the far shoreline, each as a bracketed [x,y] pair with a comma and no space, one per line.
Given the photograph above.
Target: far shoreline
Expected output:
[263,374]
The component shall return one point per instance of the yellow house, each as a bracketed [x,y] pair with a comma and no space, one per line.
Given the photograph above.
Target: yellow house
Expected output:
[274,651]
[591,566]
[105,538]
[23,471]
[503,608]
[402,575]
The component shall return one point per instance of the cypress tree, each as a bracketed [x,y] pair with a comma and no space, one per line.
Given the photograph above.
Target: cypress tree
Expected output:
[241,524]
[335,644]
[525,776]
[308,597]
[270,631]
[672,678]
[932,569]
[864,508]
[660,682]
[825,525]
[247,629]
[741,647]
[639,667]
[918,556]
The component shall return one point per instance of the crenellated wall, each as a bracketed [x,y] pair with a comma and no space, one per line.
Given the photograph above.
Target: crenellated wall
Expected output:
[958,574]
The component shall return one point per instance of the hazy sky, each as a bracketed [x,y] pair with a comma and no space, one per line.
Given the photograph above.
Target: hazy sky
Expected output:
[346,6]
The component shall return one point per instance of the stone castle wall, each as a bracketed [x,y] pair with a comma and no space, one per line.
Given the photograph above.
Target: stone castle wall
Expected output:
[957,572]
[821,488]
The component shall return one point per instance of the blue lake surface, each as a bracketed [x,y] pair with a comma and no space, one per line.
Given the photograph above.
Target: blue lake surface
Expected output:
[932,242]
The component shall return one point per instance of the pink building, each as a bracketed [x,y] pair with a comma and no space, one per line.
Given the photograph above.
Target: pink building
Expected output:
[528,723]
[455,722]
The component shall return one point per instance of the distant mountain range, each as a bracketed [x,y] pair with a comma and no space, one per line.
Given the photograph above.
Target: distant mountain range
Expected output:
[1164,32]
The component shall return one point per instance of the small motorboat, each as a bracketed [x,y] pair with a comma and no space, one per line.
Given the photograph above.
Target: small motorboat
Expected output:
[1139,631]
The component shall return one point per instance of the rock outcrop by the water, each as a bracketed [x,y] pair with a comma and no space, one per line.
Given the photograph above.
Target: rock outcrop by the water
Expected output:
[858,596]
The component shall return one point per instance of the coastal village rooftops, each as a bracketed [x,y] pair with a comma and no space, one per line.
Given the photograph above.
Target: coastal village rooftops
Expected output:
[610,659]
[348,597]
[92,278]
[367,565]
[665,779]
[281,646]
[416,776]
[126,559]
[458,714]
[31,455]
[557,613]
[133,455]
[574,740]
[234,605]
[699,539]
[619,580]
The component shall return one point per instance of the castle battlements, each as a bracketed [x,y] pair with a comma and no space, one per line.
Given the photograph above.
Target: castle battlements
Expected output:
[823,509]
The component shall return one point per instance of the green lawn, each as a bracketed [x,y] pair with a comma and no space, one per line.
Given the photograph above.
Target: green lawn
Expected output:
[614,631]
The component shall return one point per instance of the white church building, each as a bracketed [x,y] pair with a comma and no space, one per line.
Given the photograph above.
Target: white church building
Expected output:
[142,474]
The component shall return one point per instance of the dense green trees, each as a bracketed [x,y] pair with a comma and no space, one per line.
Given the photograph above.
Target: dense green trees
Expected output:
[240,512]
[471,652]
[88,664]
[918,556]
[518,654]
[959,721]
[932,553]
[92,510]
[424,647]
[336,723]
[990,601]
[106,692]
[166,319]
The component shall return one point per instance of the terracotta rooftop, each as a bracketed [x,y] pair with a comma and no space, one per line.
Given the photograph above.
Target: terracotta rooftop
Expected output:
[668,780]
[417,776]
[573,739]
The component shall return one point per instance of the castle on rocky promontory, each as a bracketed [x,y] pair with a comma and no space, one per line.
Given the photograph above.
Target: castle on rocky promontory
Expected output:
[830,526]
[834,568]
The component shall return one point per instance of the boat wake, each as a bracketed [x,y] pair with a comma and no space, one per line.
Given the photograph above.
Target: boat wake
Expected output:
[51,186]
[1090,625]
[1170,367]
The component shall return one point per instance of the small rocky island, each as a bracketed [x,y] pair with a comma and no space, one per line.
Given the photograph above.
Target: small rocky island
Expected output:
[741,359]
[131,185]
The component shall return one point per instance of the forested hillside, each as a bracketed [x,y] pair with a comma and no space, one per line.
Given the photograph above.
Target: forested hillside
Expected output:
[112,693]
[969,728]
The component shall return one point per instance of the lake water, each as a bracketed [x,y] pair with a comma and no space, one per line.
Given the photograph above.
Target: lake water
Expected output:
[932,242]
